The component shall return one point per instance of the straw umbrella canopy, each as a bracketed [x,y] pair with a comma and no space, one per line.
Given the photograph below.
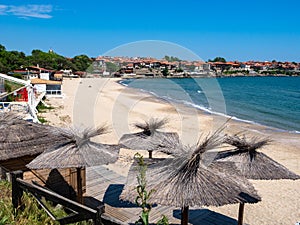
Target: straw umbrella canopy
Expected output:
[253,164]
[150,139]
[186,181]
[77,152]
[21,140]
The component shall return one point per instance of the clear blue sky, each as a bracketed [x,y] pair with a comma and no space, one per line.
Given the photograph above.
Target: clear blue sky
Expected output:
[237,30]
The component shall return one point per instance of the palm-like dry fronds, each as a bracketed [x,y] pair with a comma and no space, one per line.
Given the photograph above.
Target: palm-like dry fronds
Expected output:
[81,136]
[77,151]
[152,125]
[244,145]
[150,138]
[251,163]
[186,180]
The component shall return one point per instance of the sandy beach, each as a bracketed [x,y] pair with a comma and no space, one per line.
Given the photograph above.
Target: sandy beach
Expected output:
[92,102]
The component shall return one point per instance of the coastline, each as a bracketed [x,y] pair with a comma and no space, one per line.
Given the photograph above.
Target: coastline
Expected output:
[120,106]
[206,110]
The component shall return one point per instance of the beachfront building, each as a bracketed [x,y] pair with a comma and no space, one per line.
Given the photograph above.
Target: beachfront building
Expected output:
[48,88]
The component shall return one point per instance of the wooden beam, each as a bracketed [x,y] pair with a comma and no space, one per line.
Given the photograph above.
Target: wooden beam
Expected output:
[17,192]
[38,199]
[79,186]
[241,213]
[82,212]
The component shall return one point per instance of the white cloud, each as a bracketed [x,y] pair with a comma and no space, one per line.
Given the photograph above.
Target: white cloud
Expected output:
[26,11]
[3,9]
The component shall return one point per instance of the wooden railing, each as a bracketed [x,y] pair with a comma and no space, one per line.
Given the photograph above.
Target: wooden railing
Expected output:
[79,212]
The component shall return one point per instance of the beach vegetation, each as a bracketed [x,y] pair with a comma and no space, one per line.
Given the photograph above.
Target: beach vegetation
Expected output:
[144,195]
[43,108]
[32,213]
[42,119]
[10,87]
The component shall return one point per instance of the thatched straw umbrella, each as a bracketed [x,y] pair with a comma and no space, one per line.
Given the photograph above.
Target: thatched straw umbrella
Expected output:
[150,139]
[21,141]
[186,181]
[77,152]
[253,164]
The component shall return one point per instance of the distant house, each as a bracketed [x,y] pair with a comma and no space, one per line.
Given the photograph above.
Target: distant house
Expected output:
[26,74]
[58,76]
[50,87]
[246,66]
[33,72]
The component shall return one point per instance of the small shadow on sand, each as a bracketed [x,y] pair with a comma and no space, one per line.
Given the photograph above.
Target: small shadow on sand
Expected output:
[206,217]
[112,197]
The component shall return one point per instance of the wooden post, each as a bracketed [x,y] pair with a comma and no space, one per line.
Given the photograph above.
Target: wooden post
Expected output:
[2,173]
[79,186]
[150,154]
[17,192]
[97,220]
[241,213]
[185,215]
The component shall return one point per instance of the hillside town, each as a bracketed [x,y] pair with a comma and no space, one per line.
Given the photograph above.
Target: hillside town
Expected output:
[106,66]
[151,67]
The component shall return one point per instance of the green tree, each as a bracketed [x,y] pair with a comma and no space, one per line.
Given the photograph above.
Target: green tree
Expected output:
[49,60]
[10,60]
[179,70]
[111,67]
[172,59]
[2,48]
[81,62]
[218,59]
[165,72]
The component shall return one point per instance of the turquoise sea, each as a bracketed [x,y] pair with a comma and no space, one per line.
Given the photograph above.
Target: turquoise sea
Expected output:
[270,101]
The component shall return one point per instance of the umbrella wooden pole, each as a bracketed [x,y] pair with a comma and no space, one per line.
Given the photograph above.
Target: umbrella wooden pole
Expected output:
[241,213]
[150,154]
[79,185]
[185,215]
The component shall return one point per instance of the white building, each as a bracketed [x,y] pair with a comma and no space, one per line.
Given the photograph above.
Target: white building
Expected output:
[50,87]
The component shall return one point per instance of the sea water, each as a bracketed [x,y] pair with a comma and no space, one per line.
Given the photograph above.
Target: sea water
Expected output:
[270,101]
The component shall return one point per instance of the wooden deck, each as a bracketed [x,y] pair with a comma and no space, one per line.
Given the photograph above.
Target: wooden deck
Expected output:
[106,186]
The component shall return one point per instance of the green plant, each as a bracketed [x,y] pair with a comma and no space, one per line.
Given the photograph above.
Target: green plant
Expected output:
[42,119]
[143,195]
[42,108]
[163,221]
[32,213]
